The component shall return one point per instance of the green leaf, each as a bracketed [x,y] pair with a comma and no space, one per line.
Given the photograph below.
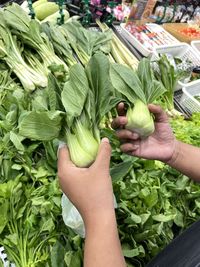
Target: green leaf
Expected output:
[40,100]
[16,139]
[76,260]
[152,88]
[152,198]
[98,77]
[131,253]
[16,17]
[4,207]
[75,92]
[126,81]
[43,126]
[51,91]
[48,225]
[119,171]
[57,255]
[154,91]
[145,72]
[163,217]
[135,218]
[12,239]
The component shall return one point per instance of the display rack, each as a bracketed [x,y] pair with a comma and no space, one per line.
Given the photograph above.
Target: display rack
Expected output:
[152,28]
[186,53]
[188,99]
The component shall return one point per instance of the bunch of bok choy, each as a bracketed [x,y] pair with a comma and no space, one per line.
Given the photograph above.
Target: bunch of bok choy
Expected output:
[29,32]
[138,89]
[77,111]
[85,42]
[10,52]
[59,42]
[168,73]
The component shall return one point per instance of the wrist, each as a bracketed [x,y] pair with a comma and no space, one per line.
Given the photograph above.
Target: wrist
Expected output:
[99,219]
[175,154]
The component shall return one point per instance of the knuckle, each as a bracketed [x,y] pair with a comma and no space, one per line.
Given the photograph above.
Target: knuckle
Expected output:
[115,123]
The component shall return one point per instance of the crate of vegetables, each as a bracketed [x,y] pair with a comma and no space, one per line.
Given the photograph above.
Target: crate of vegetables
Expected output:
[186,58]
[191,98]
[183,31]
[146,37]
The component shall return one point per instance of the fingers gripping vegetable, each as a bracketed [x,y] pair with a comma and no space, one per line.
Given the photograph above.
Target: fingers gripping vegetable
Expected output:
[138,89]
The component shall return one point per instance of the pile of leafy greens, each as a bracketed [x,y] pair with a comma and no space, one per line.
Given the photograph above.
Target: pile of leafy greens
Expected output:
[77,100]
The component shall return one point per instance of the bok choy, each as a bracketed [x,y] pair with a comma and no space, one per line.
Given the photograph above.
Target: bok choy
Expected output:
[10,52]
[169,73]
[85,99]
[138,89]
[29,32]
[85,42]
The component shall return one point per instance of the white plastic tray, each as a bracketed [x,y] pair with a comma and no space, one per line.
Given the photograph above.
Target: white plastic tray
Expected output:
[188,101]
[141,47]
[196,46]
[183,51]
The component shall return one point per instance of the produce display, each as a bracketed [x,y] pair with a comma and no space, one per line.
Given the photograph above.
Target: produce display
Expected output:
[63,83]
[191,32]
[150,35]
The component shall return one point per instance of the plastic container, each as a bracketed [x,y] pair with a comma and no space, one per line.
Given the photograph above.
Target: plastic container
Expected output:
[183,51]
[188,101]
[166,37]
[175,30]
[196,46]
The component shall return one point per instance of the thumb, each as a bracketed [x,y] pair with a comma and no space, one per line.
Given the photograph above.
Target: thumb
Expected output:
[104,154]
[160,115]
[64,161]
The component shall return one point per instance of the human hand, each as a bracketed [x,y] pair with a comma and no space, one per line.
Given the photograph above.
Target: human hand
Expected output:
[89,189]
[161,145]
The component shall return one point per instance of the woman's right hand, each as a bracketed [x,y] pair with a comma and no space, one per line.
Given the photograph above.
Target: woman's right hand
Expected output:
[161,145]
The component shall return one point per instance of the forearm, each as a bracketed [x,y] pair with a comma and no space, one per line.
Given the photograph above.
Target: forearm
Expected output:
[186,159]
[102,245]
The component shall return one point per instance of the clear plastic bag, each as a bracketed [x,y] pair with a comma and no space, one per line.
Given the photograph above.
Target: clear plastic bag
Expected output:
[72,217]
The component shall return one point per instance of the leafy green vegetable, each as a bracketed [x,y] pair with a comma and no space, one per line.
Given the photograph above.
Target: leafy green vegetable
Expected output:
[60,44]
[155,202]
[168,74]
[84,42]
[139,89]
[29,31]
[86,98]
[10,52]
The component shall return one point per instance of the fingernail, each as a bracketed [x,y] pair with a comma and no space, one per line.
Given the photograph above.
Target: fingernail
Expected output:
[61,144]
[105,140]
[135,136]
